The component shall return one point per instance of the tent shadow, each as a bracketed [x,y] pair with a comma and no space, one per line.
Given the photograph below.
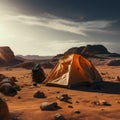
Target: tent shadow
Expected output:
[102,87]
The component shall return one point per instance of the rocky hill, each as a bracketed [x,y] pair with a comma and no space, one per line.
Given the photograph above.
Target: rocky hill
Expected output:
[7,57]
[89,50]
[96,51]
[6,54]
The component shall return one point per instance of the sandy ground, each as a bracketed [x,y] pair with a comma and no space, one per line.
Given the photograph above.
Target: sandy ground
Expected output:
[28,108]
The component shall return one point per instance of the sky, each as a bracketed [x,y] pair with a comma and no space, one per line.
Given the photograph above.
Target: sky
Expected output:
[50,27]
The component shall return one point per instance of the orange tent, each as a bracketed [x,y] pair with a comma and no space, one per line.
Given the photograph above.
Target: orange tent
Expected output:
[72,70]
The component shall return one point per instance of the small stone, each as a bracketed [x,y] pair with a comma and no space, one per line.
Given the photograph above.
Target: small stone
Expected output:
[70,106]
[101,103]
[8,89]
[77,112]
[19,97]
[58,92]
[49,106]
[104,103]
[39,94]
[58,116]
[77,102]
[63,97]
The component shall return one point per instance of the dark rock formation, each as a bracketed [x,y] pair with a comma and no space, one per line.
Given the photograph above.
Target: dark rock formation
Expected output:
[89,50]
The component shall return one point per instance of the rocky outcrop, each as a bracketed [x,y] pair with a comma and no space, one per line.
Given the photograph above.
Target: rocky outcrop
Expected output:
[89,50]
[6,54]
[7,57]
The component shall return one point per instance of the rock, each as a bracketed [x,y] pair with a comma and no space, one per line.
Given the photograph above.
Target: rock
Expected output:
[101,103]
[58,116]
[19,97]
[77,102]
[8,89]
[58,92]
[39,94]
[6,54]
[4,112]
[14,79]
[77,112]
[69,106]
[8,85]
[26,65]
[118,78]
[49,106]
[38,74]
[63,97]
[2,77]
[7,80]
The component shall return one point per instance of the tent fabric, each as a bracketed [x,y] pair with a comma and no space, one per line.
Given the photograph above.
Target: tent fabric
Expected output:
[72,69]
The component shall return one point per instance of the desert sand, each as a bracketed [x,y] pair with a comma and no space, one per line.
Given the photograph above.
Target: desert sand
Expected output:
[24,106]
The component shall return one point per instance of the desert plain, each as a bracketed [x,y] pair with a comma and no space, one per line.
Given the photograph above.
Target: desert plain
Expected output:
[24,106]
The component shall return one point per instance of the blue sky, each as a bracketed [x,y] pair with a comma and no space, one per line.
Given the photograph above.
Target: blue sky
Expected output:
[50,27]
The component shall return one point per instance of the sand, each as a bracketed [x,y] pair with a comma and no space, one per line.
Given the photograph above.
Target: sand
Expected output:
[24,106]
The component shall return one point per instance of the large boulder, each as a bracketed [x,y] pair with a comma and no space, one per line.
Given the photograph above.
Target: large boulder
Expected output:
[4,112]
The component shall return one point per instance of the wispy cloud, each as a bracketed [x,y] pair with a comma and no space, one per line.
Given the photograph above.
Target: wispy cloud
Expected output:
[80,28]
